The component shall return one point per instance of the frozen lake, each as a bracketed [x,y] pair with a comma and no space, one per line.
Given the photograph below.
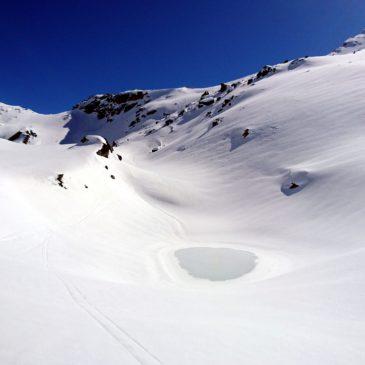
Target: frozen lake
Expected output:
[216,264]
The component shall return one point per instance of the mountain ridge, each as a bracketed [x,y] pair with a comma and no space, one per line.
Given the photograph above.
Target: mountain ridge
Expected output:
[101,202]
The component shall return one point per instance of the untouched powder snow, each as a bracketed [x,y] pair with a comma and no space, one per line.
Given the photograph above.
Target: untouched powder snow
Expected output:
[122,219]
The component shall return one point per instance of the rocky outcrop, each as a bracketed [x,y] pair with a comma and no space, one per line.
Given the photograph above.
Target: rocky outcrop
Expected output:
[265,71]
[109,105]
[23,136]
[352,45]
[105,150]
[106,147]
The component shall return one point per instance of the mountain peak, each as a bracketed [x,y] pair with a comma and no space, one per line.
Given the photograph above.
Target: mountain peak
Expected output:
[352,44]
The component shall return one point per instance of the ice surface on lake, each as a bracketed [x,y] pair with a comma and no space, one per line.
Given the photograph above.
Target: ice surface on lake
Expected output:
[216,264]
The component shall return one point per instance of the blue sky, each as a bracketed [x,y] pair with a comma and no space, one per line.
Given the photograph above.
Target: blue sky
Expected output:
[54,54]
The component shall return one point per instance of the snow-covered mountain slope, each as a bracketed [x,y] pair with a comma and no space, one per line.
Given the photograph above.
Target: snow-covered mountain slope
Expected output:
[352,45]
[109,214]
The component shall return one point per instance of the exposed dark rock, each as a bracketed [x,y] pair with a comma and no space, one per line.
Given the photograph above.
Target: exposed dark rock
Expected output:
[119,157]
[227,102]
[106,166]
[15,136]
[26,139]
[31,133]
[84,140]
[128,96]
[92,107]
[25,135]
[118,110]
[294,186]
[105,150]
[129,107]
[86,187]
[266,70]
[215,123]
[154,149]
[168,122]
[153,111]
[205,93]
[223,88]
[296,63]
[134,122]
[112,176]
[102,113]
[246,133]
[60,181]
[109,105]
[150,132]
[140,110]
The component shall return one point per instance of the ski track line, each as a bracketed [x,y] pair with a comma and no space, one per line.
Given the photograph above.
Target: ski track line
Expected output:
[134,348]
[123,331]
[113,329]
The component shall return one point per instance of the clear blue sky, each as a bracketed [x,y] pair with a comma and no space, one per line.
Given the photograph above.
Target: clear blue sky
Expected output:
[56,53]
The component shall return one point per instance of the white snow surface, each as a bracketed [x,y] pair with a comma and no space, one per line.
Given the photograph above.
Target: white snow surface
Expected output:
[89,272]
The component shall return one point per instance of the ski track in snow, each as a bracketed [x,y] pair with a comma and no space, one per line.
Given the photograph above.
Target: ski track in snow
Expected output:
[135,348]
[139,352]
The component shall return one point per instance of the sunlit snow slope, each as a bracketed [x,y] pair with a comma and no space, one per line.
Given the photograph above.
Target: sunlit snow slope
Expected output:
[95,202]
